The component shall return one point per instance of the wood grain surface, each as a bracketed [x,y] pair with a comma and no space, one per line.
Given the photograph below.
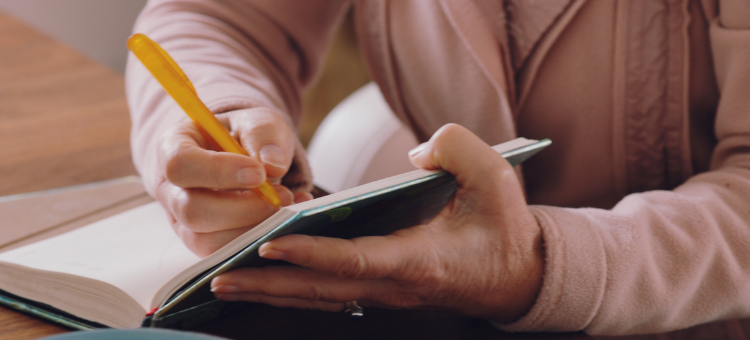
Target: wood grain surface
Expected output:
[63,118]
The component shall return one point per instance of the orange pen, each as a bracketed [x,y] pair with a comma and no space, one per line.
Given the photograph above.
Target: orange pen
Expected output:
[177,84]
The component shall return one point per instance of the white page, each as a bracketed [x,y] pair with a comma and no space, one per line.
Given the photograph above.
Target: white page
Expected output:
[135,251]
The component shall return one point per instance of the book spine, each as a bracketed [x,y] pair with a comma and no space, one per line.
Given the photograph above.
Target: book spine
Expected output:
[45,312]
[193,317]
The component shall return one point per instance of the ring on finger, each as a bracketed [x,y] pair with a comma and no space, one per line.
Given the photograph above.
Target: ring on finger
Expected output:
[354,309]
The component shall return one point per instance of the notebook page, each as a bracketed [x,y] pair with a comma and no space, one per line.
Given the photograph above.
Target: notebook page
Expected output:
[135,251]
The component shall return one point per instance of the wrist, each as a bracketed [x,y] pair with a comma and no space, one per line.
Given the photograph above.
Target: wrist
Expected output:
[526,275]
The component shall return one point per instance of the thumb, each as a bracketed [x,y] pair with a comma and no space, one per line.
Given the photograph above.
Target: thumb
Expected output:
[457,150]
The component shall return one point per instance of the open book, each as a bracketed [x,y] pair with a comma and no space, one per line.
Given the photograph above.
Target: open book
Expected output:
[114,272]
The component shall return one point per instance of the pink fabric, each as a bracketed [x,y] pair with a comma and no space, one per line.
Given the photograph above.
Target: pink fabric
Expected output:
[644,197]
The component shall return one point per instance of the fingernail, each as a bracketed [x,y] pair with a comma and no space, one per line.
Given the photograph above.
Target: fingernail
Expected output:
[228,297]
[417,150]
[272,154]
[272,254]
[225,289]
[250,175]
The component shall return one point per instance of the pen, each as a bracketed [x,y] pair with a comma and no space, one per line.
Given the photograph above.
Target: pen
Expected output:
[176,83]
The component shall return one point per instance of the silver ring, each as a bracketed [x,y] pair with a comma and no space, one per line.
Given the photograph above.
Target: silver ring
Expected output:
[354,309]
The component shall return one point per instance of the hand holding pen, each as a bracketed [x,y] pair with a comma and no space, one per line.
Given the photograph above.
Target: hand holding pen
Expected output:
[206,192]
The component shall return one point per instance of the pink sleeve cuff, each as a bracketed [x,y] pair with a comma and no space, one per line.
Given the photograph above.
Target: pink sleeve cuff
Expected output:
[574,274]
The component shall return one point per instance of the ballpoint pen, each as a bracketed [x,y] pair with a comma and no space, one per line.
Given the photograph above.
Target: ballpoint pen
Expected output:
[179,87]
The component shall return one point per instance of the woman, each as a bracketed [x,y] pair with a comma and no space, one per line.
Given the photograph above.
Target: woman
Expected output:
[637,217]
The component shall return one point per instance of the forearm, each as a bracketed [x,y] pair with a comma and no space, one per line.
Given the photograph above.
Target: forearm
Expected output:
[657,261]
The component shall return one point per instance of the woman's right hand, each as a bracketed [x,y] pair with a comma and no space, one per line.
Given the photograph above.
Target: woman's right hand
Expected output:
[208,193]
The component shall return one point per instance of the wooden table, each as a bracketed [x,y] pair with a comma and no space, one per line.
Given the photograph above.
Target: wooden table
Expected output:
[64,121]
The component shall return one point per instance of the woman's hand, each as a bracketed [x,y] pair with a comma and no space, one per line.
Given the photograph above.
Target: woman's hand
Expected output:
[208,193]
[481,256]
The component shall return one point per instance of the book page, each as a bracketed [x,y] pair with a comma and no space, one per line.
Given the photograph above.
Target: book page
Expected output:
[136,251]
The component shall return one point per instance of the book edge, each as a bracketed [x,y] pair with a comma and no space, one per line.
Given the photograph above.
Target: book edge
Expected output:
[46,312]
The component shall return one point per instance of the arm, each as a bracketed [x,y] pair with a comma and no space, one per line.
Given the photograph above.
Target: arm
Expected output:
[662,260]
[657,261]
[248,62]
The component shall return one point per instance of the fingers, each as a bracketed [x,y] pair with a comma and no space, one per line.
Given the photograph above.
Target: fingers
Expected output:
[186,161]
[361,258]
[207,191]
[204,244]
[206,219]
[187,164]
[206,211]
[283,302]
[290,283]
[266,136]
[300,197]
[286,286]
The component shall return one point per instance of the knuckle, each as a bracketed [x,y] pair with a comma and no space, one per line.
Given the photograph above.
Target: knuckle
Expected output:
[447,131]
[161,191]
[314,292]
[252,120]
[264,122]
[353,266]
[424,272]
[174,165]
[215,166]
[438,139]
[202,249]
[269,122]
[426,275]
[197,243]
[307,245]
[305,259]
[189,213]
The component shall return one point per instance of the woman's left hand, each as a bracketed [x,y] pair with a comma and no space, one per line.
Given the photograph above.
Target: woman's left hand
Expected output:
[480,256]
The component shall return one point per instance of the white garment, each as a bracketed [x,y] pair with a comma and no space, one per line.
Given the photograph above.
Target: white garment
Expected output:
[360,141]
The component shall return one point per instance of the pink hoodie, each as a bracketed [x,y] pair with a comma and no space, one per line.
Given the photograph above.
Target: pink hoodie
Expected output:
[644,197]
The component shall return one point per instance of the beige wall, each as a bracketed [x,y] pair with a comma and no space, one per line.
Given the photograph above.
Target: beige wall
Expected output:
[97,28]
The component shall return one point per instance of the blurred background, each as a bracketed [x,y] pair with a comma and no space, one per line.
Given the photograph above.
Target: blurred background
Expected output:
[98,29]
